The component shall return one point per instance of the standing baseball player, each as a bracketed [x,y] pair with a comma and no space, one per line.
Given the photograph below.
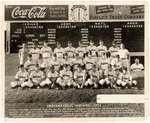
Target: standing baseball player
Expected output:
[113,50]
[35,52]
[23,53]
[101,48]
[124,56]
[93,49]
[46,52]
[81,50]
[59,51]
[70,50]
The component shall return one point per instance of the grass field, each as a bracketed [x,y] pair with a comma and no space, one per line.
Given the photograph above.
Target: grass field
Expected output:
[37,97]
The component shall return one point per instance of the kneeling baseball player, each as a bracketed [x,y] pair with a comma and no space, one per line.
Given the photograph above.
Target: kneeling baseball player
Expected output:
[65,78]
[20,78]
[79,77]
[125,79]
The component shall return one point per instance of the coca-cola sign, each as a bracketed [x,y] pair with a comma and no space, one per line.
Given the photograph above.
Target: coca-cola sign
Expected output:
[36,12]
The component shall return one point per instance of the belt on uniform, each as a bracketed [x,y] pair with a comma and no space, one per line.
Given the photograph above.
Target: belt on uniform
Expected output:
[46,57]
[123,58]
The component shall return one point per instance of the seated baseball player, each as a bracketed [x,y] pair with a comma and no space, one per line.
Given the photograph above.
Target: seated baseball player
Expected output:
[55,62]
[137,66]
[51,78]
[110,80]
[66,61]
[42,64]
[35,79]
[65,77]
[76,62]
[103,63]
[124,79]
[79,77]
[89,62]
[116,64]
[94,77]
[30,64]
[21,77]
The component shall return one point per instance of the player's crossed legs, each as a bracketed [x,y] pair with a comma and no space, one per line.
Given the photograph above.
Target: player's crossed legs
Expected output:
[60,83]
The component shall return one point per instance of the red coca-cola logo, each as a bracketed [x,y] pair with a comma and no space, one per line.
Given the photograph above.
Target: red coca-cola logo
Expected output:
[34,12]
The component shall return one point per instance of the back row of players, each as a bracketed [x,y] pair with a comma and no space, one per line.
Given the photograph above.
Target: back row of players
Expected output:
[81,67]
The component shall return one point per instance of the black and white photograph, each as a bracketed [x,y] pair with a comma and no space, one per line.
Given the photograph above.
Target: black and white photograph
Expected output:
[75,60]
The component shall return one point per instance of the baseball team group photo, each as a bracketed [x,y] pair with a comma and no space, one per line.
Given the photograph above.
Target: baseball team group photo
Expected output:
[72,62]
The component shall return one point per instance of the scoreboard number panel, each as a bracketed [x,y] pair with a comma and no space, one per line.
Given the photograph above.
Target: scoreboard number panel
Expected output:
[123,32]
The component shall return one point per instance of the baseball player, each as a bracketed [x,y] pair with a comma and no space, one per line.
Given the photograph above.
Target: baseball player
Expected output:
[93,49]
[23,53]
[101,48]
[51,78]
[21,77]
[137,66]
[36,78]
[89,62]
[111,77]
[70,50]
[80,50]
[76,62]
[113,50]
[94,78]
[79,77]
[124,56]
[42,64]
[66,61]
[65,77]
[116,64]
[59,51]
[103,63]
[35,52]
[55,62]
[30,64]
[46,52]
[125,79]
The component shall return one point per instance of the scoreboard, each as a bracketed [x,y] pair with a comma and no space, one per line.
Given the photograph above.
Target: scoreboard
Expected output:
[129,33]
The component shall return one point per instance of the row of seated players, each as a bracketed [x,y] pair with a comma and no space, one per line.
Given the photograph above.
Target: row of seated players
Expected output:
[81,75]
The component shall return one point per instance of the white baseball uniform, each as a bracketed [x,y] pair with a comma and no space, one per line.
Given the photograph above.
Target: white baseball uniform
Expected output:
[137,67]
[59,53]
[35,52]
[81,51]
